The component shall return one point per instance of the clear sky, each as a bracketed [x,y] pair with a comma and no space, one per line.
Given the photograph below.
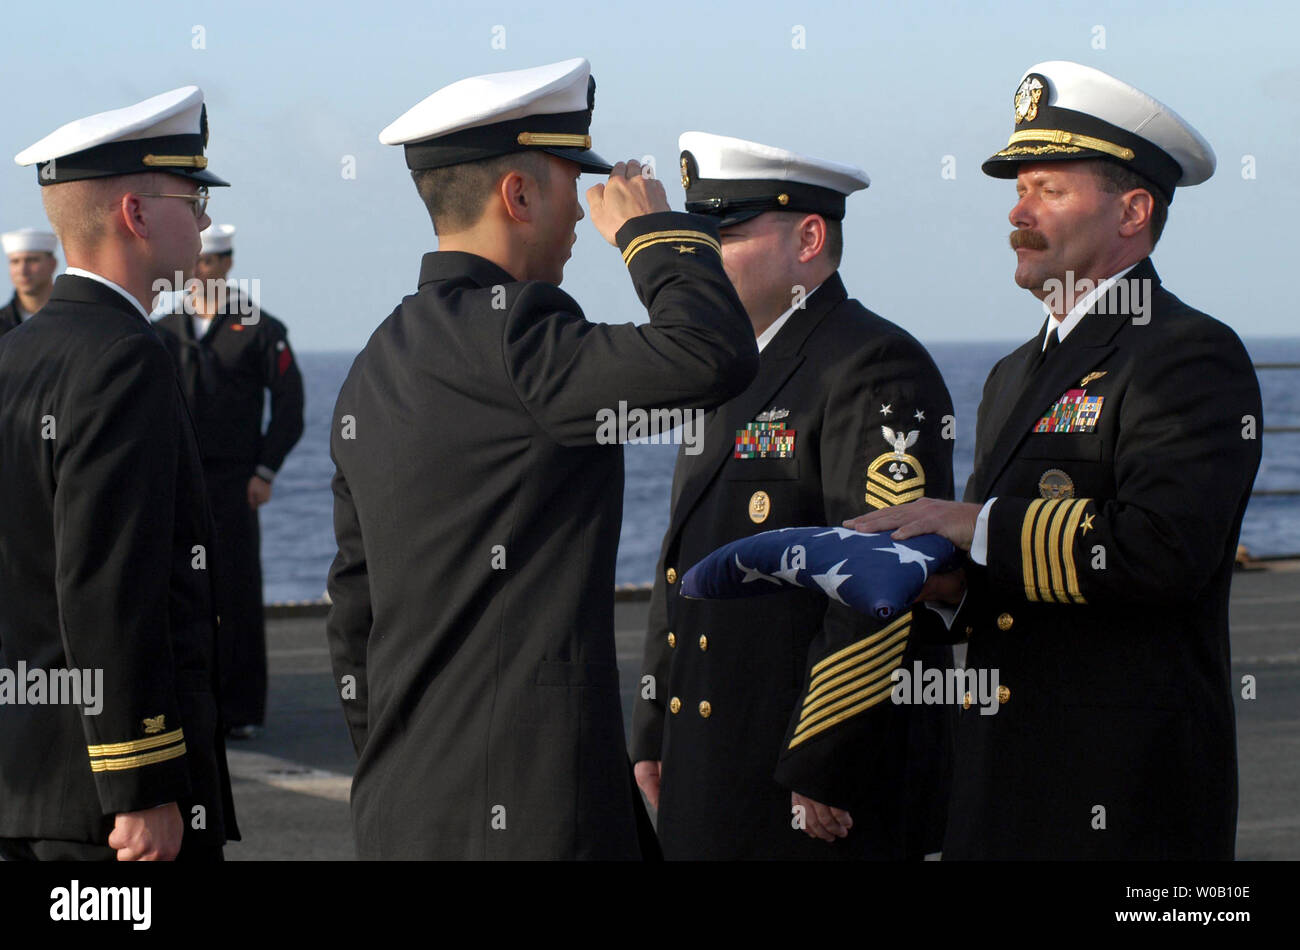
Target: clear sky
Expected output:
[294,89]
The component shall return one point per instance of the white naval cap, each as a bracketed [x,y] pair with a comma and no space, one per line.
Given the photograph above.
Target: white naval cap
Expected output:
[28,239]
[165,133]
[735,179]
[545,107]
[217,239]
[1065,111]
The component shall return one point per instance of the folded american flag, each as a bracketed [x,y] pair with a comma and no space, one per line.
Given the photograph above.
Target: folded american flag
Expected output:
[869,572]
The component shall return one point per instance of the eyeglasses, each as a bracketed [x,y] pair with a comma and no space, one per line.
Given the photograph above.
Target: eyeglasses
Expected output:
[199,199]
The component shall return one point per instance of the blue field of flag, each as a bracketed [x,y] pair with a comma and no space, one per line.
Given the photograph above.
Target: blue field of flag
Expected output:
[869,572]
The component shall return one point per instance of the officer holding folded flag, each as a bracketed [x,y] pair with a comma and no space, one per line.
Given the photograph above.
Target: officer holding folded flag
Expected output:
[1115,453]
[770,723]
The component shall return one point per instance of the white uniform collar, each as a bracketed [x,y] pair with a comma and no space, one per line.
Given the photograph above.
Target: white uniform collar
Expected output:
[79,272]
[1077,312]
[770,333]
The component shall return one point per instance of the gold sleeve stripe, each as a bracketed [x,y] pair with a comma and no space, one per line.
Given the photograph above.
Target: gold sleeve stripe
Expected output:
[138,745]
[1057,590]
[858,659]
[1026,548]
[640,243]
[137,761]
[852,671]
[870,687]
[1067,549]
[860,644]
[1044,583]
[867,703]
[860,677]
[858,662]
[1047,550]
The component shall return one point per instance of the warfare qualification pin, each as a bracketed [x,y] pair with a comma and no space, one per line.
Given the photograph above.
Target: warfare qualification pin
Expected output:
[1055,483]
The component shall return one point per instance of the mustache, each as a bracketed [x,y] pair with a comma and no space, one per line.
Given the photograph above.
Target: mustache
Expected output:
[1023,237]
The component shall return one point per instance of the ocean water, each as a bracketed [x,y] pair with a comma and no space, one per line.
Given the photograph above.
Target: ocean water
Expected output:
[298,532]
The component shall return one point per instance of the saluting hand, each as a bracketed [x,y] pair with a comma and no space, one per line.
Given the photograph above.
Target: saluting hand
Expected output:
[627,194]
[150,835]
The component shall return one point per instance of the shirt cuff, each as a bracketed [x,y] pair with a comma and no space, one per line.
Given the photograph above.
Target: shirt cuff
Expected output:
[979,545]
[268,474]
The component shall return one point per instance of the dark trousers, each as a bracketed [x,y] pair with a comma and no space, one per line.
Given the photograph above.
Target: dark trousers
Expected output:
[237,579]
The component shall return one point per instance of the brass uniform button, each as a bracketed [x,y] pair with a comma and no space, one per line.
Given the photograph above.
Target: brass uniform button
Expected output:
[670,575]
[965,703]
[704,642]
[672,640]
[1003,694]
[705,709]
[1005,621]
[675,705]
[969,630]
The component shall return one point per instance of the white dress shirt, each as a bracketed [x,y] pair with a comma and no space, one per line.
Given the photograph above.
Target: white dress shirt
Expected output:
[78,272]
[770,333]
[979,546]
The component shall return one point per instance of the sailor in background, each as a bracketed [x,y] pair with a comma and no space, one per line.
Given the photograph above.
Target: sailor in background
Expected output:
[1115,454]
[477,504]
[105,534]
[771,724]
[32,263]
[230,354]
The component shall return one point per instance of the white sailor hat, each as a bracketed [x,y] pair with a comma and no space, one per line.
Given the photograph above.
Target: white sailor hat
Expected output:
[736,180]
[166,133]
[28,239]
[546,107]
[1064,111]
[217,239]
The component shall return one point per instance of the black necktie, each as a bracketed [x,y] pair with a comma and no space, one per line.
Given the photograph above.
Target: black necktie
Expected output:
[1053,341]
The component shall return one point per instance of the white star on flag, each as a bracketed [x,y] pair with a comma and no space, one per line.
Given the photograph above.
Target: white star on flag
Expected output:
[753,574]
[830,581]
[908,555]
[843,533]
[919,416]
[886,408]
[788,574]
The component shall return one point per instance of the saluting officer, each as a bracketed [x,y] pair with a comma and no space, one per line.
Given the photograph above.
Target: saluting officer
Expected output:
[105,533]
[477,502]
[30,253]
[231,353]
[1115,453]
[770,725]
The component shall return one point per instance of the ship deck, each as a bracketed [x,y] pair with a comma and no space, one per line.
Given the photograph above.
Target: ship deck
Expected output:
[291,783]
